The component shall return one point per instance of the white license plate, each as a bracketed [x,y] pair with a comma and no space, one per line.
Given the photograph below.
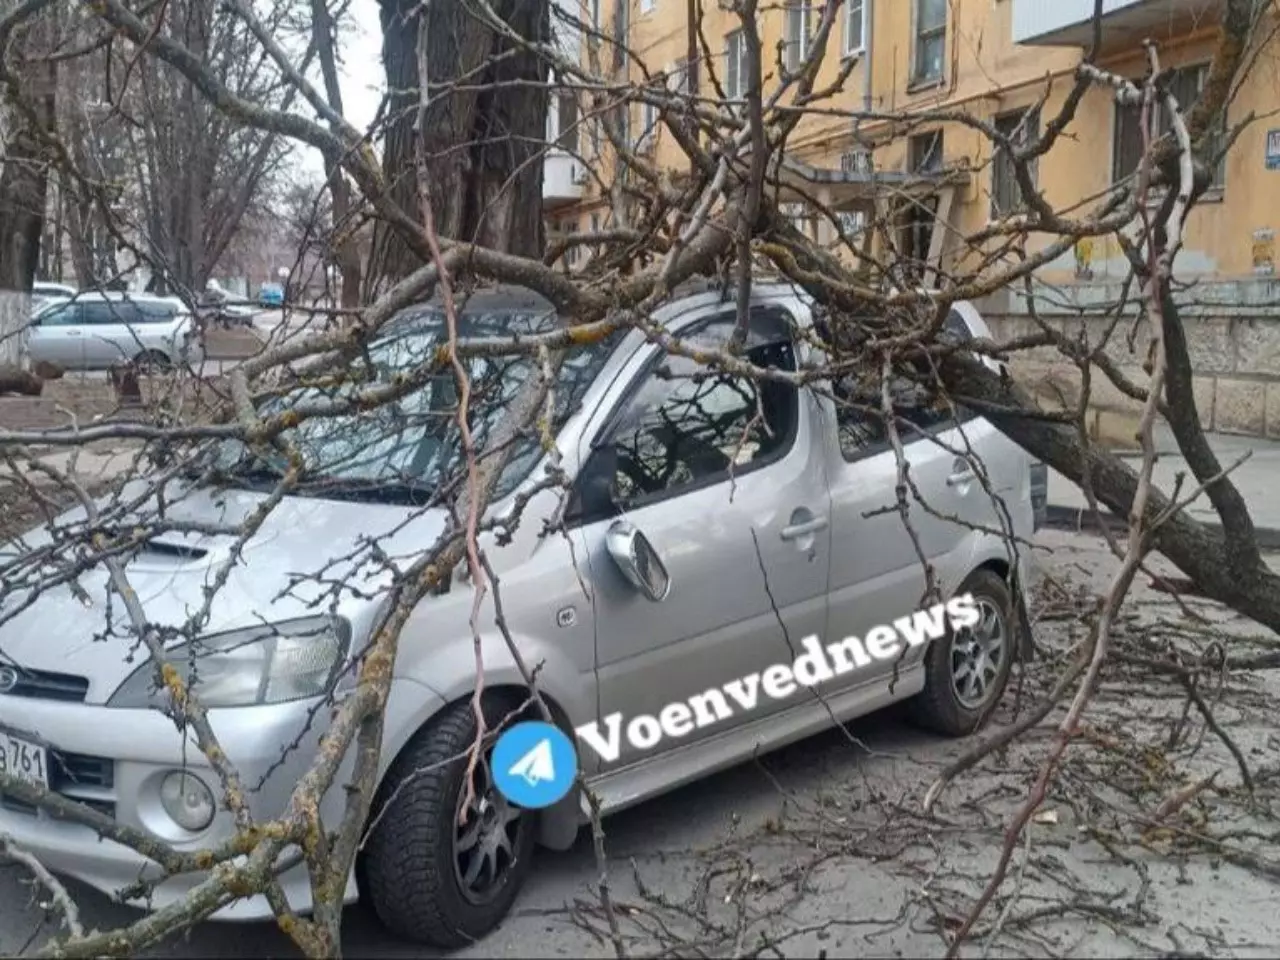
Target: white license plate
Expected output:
[23,759]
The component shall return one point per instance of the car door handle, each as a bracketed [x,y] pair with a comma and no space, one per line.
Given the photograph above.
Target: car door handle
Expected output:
[797,530]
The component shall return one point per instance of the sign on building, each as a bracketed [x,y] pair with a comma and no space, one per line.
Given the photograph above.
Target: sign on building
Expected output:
[1273,149]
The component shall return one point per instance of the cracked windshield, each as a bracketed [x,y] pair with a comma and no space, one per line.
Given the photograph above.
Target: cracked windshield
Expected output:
[639,479]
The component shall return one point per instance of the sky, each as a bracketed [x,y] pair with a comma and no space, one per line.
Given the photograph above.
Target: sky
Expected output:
[360,73]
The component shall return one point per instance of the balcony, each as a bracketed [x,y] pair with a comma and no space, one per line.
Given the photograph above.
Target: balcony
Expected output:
[563,178]
[1067,23]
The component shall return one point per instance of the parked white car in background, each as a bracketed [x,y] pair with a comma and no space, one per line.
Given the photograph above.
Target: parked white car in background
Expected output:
[97,331]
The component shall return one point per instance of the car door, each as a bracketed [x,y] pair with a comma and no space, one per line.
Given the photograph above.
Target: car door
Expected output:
[112,333]
[719,474]
[58,337]
[877,568]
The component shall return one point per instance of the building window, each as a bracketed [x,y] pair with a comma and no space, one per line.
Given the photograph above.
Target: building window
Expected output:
[1186,84]
[735,69]
[648,126]
[678,76]
[855,26]
[851,222]
[924,152]
[595,14]
[624,121]
[597,139]
[801,216]
[566,114]
[797,33]
[930,40]
[1022,127]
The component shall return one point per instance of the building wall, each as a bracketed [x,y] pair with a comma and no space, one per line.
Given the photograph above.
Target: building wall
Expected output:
[1233,339]
[986,74]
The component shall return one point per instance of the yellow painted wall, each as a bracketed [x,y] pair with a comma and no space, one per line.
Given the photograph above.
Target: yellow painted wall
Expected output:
[985,74]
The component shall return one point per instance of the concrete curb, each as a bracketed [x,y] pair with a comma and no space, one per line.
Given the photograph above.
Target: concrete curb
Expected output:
[1082,519]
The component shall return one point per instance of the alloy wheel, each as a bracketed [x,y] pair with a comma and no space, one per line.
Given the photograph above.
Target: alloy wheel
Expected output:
[485,839]
[977,655]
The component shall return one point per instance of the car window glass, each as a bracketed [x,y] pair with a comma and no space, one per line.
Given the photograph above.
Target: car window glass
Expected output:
[102,312]
[154,312]
[862,431]
[689,425]
[62,316]
[955,325]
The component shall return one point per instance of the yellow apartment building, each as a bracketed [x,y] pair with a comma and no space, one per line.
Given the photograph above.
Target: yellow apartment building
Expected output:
[992,59]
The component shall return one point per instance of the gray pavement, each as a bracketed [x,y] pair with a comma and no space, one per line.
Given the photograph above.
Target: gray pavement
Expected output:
[1256,479]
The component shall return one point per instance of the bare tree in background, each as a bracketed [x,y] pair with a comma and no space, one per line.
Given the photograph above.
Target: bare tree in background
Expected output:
[25,122]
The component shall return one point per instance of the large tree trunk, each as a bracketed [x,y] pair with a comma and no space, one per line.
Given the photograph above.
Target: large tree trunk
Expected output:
[24,187]
[483,146]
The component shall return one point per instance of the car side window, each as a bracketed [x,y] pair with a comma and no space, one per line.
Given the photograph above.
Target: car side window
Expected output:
[863,432]
[66,315]
[689,426]
[104,312]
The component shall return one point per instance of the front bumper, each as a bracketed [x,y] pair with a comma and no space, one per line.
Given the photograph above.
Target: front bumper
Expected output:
[115,759]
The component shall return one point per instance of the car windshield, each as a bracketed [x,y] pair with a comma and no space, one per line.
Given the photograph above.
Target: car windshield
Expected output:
[409,445]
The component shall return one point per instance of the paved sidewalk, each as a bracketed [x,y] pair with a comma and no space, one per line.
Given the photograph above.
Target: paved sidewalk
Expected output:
[1257,480]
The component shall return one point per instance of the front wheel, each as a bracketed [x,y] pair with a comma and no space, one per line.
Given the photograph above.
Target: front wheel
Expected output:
[429,877]
[967,669]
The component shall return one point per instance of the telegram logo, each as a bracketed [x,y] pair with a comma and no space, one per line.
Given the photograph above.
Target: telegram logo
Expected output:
[534,764]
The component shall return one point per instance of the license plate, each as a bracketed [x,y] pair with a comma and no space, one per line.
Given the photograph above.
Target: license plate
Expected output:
[23,759]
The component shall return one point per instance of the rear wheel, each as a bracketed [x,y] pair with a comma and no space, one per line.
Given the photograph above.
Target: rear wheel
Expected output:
[433,879]
[967,670]
[152,361]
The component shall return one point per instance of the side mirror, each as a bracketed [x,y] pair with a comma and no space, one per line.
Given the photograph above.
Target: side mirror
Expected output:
[637,560]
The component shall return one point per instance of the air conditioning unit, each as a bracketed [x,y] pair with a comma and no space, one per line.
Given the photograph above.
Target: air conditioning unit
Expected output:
[856,161]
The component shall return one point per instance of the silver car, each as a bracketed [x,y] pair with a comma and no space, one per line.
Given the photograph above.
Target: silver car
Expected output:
[712,526]
[97,331]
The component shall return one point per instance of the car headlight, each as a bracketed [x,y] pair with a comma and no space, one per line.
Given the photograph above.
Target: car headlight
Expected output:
[273,663]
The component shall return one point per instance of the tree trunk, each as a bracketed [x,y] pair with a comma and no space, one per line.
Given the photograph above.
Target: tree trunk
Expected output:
[24,187]
[483,147]
[347,254]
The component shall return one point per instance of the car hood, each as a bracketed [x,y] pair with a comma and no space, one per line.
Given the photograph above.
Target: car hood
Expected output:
[81,630]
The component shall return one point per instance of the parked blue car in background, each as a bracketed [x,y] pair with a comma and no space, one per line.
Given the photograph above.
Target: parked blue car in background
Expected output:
[271,295]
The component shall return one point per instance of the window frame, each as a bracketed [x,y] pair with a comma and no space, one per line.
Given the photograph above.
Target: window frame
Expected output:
[922,34]
[1133,113]
[850,6]
[963,416]
[797,11]
[650,119]
[576,516]
[937,150]
[1002,164]
[737,58]
[568,135]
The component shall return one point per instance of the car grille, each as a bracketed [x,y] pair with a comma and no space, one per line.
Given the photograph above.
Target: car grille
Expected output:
[78,777]
[44,685]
